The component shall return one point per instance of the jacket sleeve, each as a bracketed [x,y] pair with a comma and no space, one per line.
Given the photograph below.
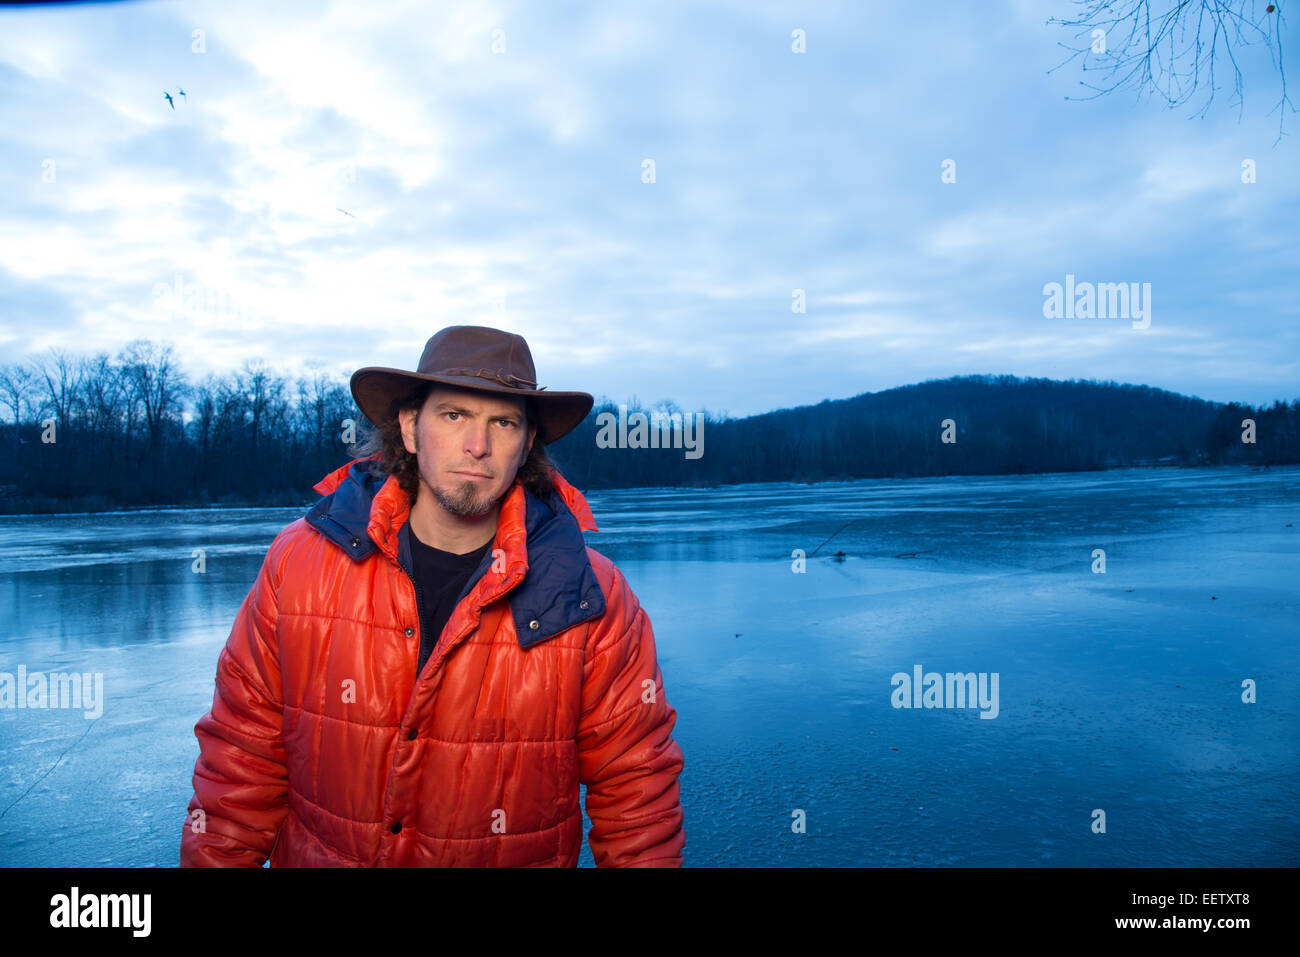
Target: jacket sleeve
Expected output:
[627,757]
[240,781]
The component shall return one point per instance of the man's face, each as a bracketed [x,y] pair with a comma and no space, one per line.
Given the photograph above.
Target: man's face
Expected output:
[469,445]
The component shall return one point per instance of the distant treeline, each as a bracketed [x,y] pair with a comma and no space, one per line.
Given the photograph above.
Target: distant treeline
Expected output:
[999,424]
[90,433]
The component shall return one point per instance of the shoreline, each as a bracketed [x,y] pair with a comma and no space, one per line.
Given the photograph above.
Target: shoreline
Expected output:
[86,505]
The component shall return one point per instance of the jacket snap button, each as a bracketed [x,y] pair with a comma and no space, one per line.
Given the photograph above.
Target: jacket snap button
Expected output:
[411,735]
[584,604]
[397,826]
[355,542]
[410,632]
[534,624]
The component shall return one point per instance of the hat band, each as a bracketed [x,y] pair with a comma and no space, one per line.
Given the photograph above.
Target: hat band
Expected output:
[497,375]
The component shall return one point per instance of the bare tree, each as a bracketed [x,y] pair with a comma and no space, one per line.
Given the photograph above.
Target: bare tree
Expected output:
[156,383]
[205,396]
[104,397]
[104,394]
[232,408]
[61,374]
[17,385]
[312,402]
[264,392]
[1171,51]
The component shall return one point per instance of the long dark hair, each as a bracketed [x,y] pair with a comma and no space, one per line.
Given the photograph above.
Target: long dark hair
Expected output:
[385,439]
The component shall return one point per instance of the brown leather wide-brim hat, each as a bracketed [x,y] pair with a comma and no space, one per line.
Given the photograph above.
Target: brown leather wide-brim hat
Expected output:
[472,357]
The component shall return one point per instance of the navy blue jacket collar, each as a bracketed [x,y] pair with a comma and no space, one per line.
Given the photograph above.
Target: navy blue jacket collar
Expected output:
[560,589]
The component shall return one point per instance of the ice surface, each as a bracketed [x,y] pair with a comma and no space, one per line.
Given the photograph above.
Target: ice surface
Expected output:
[1119,691]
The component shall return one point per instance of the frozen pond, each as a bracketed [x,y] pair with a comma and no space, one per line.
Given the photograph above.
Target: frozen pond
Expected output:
[1119,691]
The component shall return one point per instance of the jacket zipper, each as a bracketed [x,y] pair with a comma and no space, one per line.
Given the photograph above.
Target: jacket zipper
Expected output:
[419,617]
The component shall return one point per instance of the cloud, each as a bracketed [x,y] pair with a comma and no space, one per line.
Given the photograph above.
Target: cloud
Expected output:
[490,159]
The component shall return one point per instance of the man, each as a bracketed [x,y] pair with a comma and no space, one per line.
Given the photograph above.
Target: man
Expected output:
[431,660]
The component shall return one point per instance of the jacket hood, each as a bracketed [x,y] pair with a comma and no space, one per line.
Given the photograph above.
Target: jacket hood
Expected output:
[575,500]
[547,572]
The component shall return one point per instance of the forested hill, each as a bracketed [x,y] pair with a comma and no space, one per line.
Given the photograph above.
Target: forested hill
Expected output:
[98,433]
[999,424]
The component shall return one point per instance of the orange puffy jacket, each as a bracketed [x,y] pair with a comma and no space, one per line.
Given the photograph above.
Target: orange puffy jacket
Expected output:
[324,748]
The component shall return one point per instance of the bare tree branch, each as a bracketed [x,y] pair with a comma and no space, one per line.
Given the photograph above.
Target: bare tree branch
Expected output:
[1171,52]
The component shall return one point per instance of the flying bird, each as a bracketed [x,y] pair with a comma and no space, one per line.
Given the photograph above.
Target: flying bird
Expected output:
[183,96]
[169,99]
[344,211]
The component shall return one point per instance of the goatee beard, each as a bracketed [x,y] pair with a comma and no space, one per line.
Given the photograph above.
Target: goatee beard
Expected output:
[464,501]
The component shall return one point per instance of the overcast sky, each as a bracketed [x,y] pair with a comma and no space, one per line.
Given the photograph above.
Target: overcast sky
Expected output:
[505,187]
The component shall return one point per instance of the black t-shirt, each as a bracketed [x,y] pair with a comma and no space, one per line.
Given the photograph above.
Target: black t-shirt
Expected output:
[439,578]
